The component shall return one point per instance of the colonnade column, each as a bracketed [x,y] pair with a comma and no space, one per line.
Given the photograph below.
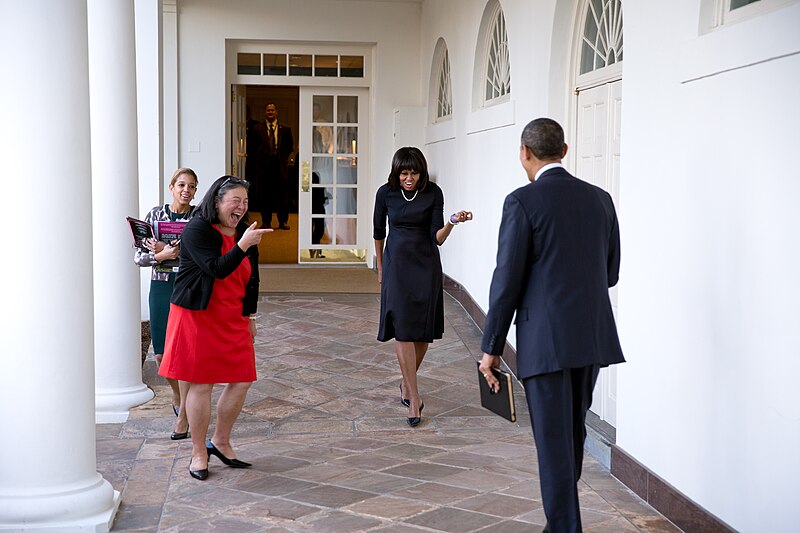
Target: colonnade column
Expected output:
[48,477]
[115,195]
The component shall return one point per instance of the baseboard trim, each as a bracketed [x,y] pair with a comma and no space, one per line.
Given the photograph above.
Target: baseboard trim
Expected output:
[663,497]
[601,444]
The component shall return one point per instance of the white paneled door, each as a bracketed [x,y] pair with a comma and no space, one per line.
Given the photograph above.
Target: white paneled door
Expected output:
[333,144]
[597,155]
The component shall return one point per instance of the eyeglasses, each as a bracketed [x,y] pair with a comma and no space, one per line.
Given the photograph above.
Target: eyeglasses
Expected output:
[235,181]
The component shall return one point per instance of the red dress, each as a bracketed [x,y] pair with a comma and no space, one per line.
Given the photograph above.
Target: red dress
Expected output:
[213,345]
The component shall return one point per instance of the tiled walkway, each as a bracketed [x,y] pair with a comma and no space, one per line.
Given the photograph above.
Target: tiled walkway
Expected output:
[331,451]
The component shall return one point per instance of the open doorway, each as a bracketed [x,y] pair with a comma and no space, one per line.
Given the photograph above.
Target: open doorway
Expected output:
[271,167]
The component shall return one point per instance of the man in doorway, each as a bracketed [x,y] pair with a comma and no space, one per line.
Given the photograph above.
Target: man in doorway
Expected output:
[276,145]
[558,253]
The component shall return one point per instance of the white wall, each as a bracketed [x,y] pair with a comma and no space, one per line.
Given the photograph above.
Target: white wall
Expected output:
[203,26]
[708,302]
[708,293]
[477,169]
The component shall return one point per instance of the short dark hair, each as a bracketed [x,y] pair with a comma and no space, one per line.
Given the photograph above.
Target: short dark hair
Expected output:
[408,158]
[207,210]
[545,138]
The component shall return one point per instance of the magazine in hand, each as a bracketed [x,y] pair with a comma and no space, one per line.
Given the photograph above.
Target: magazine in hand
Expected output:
[170,233]
[501,402]
[140,231]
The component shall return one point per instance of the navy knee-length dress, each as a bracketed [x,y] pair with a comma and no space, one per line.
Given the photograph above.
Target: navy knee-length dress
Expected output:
[412,302]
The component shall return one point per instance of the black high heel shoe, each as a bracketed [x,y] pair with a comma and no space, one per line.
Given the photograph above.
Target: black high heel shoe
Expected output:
[179,436]
[233,463]
[414,421]
[404,401]
[202,475]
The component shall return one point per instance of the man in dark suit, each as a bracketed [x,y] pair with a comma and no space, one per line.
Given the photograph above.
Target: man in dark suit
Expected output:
[558,253]
[276,145]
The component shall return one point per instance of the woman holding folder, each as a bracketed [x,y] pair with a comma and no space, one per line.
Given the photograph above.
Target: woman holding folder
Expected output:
[183,187]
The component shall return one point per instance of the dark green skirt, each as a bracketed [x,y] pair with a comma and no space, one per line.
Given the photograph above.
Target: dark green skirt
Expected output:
[160,294]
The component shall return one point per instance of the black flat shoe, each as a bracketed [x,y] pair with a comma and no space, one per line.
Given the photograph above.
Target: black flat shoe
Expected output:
[404,401]
[179,436]
[233,463]
[414,421]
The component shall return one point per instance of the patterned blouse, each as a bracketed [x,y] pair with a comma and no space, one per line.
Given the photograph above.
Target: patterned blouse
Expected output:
[159,214]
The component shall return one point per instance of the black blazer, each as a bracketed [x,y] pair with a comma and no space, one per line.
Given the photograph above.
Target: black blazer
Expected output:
[201,263]
[557,255]
[284,148]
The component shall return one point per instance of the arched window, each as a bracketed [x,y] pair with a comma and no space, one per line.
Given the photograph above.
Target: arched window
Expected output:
[602,35]
[441,87]
[492,61]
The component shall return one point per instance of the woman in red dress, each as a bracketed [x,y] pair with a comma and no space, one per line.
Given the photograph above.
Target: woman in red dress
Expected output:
[211,324]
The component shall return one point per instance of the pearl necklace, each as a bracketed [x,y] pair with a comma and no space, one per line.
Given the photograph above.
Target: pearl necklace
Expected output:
[408,199]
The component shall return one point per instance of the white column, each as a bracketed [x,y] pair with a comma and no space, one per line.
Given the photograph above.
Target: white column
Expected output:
[148,91]
[169,73]
[48,477]
[115,193]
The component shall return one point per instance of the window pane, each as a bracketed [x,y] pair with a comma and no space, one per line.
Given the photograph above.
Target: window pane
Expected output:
[274,64]
[347,110]
[323,109]
[345,201]
[326,66]
[347,138]
[321,169]
[248,63]
[352,66]
[346,170]
[346,231]
[318,226]
[327,194]
[444,105]
[498,72]
[299,65]
[602,35]
[736,4]
[322,141]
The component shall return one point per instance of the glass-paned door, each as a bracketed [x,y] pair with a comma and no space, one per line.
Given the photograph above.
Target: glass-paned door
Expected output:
[333,162]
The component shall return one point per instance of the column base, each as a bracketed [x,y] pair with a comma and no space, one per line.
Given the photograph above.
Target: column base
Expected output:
[55,512]
[113,406]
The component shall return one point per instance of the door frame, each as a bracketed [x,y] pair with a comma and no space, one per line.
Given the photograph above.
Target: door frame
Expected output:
[604,402]
[234,47]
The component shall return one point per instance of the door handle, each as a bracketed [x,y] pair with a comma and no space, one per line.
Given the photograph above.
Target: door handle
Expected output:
[306,176]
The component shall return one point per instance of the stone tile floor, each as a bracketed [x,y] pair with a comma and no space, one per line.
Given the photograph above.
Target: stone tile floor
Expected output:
[331,451]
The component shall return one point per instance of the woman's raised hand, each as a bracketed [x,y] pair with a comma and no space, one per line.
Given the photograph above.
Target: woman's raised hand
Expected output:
[460,216]
[252,236]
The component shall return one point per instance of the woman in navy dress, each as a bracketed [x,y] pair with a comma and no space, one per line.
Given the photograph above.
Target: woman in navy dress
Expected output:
[409,268]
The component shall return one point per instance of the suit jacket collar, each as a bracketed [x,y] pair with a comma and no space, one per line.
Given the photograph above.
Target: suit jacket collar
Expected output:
[547,168]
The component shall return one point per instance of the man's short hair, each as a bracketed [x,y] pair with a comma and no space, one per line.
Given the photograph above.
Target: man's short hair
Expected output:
[545,138]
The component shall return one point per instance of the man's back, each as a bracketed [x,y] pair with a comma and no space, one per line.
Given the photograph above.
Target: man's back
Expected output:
[568,231]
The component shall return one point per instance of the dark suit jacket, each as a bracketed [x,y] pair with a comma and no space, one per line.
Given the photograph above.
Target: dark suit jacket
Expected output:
[284,149]
[558,253]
